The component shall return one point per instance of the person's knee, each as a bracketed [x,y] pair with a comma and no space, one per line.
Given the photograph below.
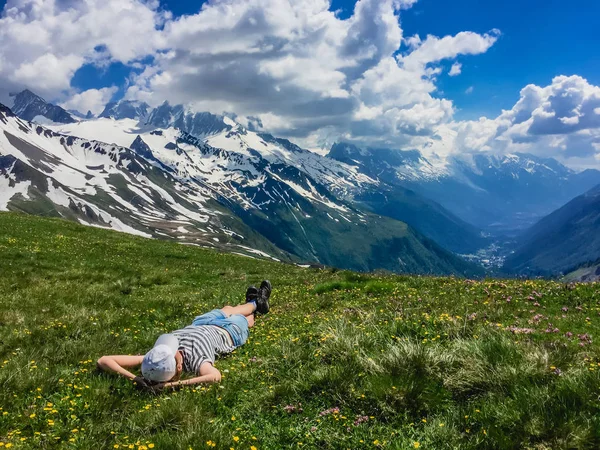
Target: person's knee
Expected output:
[101,363]
[227,310]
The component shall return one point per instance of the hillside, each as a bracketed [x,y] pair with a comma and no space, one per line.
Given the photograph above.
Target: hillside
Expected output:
[585,273]
[342,361]
[565,239]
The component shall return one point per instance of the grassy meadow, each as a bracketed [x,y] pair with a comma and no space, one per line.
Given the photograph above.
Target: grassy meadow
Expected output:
[343,360]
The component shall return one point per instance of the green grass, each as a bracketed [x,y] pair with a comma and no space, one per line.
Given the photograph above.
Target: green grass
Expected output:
[405,360]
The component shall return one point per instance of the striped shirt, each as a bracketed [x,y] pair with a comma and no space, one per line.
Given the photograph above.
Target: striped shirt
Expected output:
[200,344]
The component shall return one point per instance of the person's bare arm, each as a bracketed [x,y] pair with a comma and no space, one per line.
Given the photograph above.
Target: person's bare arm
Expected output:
[208,374]
[118,364]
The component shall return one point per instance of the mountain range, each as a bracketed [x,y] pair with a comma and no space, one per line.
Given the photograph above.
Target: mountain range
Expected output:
[204,179]
[126,109]
[260,199]
[343,181]
[501,194]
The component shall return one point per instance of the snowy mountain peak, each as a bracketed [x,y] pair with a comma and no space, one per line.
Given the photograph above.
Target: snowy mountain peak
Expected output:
[389,163]
[494,192]
[199,124]
[126,109]
[29,106]
[164,115]
[515,164]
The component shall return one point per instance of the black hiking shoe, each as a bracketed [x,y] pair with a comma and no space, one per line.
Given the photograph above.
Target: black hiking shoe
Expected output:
[264,292]
[251,294]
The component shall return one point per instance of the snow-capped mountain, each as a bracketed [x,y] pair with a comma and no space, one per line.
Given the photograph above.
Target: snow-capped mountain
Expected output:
[168,183]
[199,124]
[389,165]
[30,106]
[43,172]
[341,180]
[365,190]
[495,192]
[126,109]
[78,114]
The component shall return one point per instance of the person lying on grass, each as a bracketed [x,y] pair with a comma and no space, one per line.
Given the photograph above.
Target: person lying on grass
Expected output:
[194,348]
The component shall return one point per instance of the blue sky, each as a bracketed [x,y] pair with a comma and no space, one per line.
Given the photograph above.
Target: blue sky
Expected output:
[441,76]
[540,39]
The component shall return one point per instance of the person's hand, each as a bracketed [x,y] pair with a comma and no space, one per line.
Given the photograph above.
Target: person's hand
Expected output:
[156,388]
[146,386]
[140,383]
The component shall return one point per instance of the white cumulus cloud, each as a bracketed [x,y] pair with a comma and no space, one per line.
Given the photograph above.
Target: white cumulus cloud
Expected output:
[44,42]
[456,69]
[92,100]
[318,74]
[558,120]
[293,67]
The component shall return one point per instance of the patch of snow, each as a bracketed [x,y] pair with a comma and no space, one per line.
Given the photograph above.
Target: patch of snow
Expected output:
[7,192]
[43,120]
[229,121]
[243,254]
[119,132]
[59,197]
[258,252]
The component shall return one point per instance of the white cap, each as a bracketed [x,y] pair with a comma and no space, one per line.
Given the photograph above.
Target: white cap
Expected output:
[159,363]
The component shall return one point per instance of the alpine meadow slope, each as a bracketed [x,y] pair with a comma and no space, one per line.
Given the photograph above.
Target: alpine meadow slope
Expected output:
[343,360]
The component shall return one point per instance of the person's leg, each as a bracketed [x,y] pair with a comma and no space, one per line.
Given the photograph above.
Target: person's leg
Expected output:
[238,325]
[208,318]
[245,310]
